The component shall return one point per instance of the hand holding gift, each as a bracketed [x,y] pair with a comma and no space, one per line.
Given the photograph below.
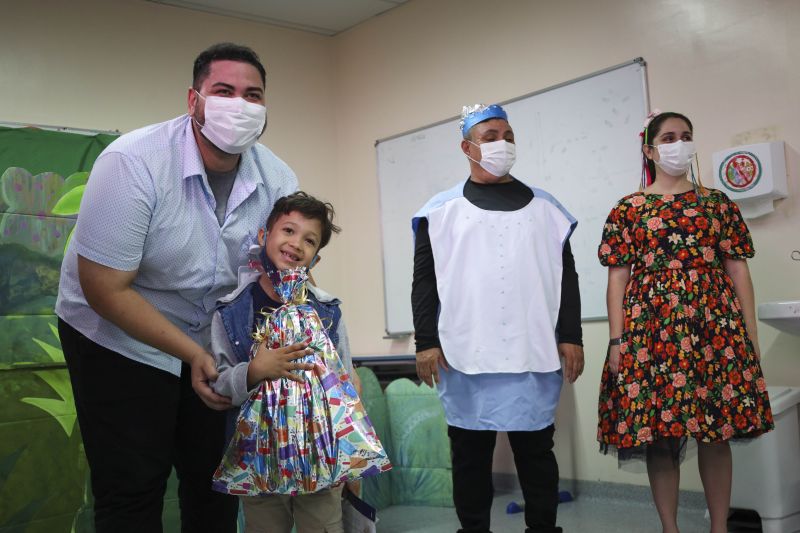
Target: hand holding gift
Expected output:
[303,433]
[279,363]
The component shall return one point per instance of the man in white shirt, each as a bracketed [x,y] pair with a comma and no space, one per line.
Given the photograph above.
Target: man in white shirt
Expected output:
[168,216]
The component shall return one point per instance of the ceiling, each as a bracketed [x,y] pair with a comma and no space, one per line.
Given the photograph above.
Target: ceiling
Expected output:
[326,17]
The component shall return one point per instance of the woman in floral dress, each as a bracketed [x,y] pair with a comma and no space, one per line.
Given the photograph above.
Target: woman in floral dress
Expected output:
[683,359]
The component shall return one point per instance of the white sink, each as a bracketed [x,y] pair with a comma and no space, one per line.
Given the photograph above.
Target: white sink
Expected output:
[784,316]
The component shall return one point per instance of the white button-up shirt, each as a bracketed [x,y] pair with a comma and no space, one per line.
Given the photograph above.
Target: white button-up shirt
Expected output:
[148,207]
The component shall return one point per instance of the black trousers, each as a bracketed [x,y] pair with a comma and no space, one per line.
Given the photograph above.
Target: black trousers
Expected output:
[137,422]
[472,453]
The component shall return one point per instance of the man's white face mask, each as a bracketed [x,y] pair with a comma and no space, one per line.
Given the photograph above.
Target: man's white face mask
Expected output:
[497,157]
[232,124]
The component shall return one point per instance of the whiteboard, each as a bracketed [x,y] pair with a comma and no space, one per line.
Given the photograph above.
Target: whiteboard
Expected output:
[578,141]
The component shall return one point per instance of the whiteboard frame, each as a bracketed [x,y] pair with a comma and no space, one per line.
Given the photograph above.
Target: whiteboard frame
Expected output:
[645,89]
[637,60]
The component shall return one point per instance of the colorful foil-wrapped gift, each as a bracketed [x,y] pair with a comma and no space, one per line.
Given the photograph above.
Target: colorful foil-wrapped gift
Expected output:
[296,438]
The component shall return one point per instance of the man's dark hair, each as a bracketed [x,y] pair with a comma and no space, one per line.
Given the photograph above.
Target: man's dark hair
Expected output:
[309,207]
[223,52]
[653,129]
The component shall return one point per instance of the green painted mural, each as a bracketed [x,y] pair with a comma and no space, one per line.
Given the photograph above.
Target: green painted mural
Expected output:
[43,471]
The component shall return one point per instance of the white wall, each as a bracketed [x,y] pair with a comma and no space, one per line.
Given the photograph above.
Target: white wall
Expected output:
[731,65]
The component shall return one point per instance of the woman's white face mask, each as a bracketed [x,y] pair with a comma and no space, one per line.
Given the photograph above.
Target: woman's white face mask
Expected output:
[497,157]
[675,158]
[232,124]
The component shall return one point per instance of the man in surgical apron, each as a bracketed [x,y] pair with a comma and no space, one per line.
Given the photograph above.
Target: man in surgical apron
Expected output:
[496,308]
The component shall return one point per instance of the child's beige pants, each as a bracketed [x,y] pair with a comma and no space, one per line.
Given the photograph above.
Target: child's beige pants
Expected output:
[320,512]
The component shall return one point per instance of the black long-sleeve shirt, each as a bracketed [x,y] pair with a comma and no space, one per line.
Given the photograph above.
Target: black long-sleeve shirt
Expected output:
[425,297]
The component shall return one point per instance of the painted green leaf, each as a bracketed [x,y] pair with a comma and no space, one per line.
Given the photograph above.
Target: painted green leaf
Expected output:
[70,203]
[56,354]
[63,412]
[74,180]
[78,178]
[59,382]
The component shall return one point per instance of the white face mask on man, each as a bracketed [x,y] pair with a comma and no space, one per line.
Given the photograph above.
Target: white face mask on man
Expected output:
[497,157]
[232,124]
[675,158]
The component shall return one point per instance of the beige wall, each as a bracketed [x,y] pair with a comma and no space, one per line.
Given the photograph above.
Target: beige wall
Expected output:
[731,65]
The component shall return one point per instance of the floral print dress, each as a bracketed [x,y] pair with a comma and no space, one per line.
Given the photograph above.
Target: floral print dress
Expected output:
[687,366]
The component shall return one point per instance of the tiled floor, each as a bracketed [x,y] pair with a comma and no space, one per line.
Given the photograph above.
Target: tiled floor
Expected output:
[590,514]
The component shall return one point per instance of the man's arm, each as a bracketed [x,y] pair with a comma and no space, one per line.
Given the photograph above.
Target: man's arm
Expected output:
[112,228]
[424,295]
[568,328]
[425,307]
[110,293]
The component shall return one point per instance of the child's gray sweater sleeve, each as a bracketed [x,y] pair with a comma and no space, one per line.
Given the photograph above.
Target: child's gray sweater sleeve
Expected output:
[232,380]
[344,347]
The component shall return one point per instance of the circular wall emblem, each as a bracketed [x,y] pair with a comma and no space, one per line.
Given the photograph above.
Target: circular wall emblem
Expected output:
[740,171]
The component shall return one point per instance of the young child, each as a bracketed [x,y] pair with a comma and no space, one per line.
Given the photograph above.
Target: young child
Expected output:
[298,227]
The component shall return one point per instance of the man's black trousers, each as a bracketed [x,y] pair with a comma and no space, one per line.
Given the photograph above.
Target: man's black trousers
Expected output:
[472,453]
[137,422]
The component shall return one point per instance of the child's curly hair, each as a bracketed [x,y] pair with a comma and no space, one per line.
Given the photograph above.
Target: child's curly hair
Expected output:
[309,207]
